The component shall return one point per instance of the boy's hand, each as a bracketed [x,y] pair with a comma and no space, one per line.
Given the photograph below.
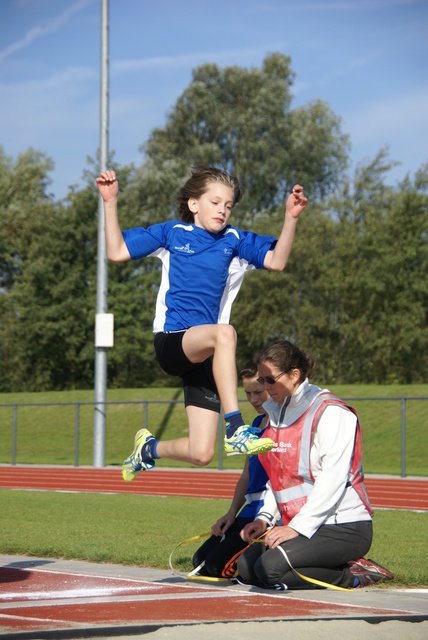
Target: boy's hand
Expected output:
[222,525]
[108,185]
[252,530]
[296,202]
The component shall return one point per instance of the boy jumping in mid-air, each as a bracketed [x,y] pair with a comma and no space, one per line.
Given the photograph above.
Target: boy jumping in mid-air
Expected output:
[204,260]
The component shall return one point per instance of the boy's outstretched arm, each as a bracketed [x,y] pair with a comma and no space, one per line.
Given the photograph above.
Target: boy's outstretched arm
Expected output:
[117,250]
[276,259]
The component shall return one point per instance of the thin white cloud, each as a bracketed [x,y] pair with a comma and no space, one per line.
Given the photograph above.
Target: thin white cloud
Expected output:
[185,60]
[68,81]
[38,111]
[42,30]
[384,120]
[338,72]
[303,6]
[355,5]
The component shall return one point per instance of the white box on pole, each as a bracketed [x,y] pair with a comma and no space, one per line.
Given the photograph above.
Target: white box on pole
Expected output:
[104,329]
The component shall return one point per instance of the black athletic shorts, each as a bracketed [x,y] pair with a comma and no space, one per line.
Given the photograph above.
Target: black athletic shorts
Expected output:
[198,380]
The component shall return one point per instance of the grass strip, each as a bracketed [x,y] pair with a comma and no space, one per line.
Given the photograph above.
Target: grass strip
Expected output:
[142,530]
[47,434]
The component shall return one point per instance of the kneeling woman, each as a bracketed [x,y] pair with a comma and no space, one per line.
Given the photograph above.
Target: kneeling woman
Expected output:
[316,474]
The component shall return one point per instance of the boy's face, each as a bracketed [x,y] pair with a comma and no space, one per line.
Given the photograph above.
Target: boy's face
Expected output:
[212,210]
[255,393]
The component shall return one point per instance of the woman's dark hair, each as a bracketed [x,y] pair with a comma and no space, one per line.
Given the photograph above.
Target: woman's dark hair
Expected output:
[196,186]
[286,356]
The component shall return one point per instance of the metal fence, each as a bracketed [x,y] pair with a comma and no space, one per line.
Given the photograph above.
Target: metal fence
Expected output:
[145,403]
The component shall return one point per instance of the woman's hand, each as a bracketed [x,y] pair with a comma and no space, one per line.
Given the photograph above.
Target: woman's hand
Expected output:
[278,535]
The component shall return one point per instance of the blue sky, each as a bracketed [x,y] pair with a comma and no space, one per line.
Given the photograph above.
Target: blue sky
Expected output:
[368,59]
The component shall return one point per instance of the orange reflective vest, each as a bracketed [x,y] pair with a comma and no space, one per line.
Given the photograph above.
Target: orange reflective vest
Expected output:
[288,463]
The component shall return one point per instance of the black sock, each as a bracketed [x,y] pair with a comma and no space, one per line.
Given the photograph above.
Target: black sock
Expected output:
[233,421]
[148,452]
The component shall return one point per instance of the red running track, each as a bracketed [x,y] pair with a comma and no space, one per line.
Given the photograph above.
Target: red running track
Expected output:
[35,600]
[384,492]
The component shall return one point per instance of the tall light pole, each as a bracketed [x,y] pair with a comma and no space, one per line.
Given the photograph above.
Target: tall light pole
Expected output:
[103,321]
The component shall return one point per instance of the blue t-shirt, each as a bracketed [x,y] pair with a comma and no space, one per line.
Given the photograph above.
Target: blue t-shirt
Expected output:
[202,272]
[257,482]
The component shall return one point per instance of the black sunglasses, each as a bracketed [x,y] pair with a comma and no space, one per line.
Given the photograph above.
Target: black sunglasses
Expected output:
[269,379]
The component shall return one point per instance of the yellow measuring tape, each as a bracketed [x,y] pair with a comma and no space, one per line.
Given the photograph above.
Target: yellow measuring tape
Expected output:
[193,574]
[311,580]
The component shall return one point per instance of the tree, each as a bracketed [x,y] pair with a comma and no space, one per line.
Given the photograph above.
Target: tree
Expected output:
[384,284]
[23,203]
[355,291]
[48,319]
[23,187]
[241,120]
[298,304]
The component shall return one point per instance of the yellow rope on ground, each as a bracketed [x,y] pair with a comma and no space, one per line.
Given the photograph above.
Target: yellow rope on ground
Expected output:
[319,583]
[192,575]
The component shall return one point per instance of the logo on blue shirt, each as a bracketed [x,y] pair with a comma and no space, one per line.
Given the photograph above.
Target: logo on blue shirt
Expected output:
[185,249]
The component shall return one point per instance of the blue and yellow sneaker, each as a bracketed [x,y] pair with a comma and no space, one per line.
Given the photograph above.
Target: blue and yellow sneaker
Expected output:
[138,460]
[246,441]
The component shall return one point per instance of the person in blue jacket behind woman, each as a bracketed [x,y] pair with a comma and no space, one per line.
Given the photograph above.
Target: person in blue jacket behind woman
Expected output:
[217,557]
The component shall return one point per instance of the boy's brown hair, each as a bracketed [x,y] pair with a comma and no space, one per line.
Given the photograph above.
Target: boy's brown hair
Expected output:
[196,186]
